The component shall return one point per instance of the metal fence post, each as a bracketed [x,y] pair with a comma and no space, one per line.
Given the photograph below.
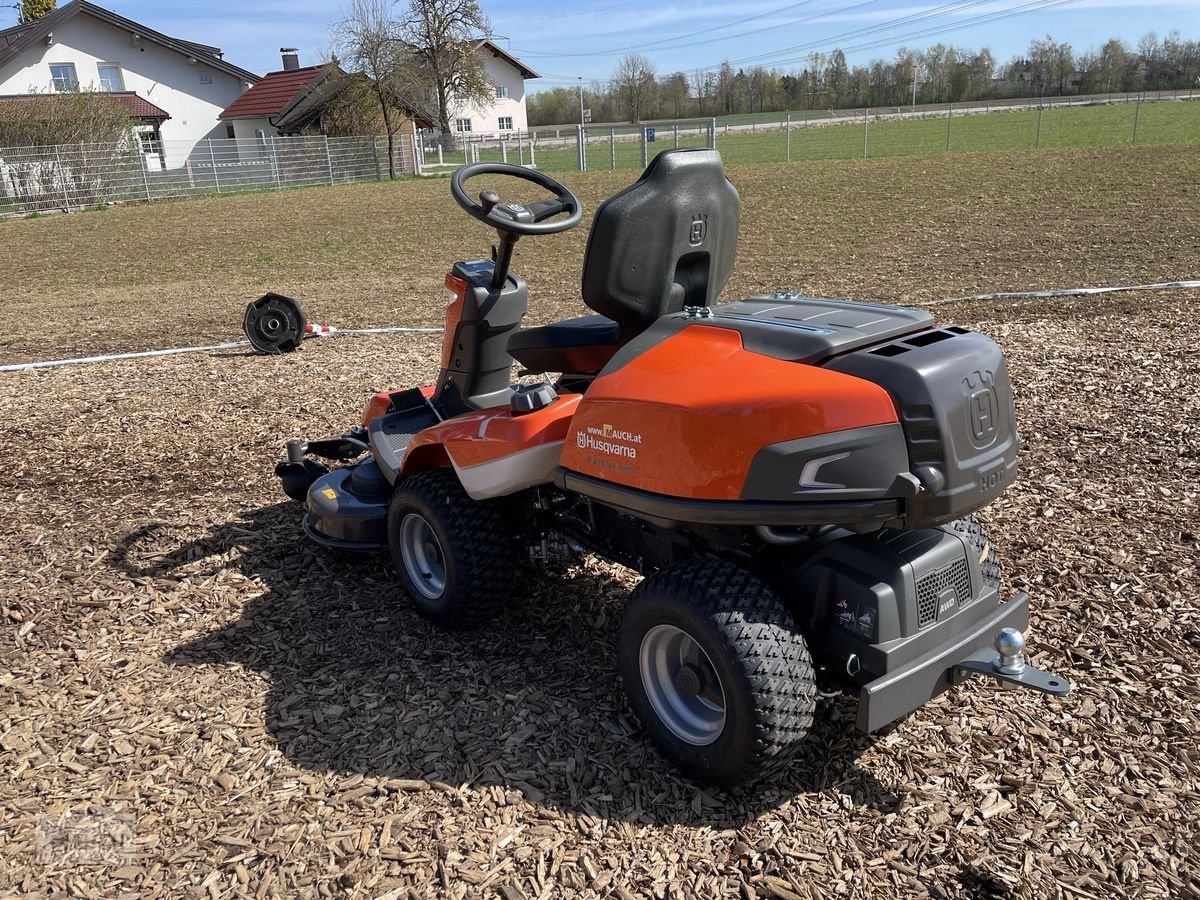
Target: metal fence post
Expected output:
[712,134]
[949,116]
[521,148]
[1137,112]
[275,160]
[1037,141]
[532,154]
[579,138]
[866,126]
[677,135]
[328,159]
[788,140]
[141,158]
[503,150]
[212,156]
[612,148]
[645,147]
[62,177]
[375,156]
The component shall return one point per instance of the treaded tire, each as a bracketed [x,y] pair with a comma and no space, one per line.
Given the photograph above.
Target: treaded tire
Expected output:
[477,550]
[760,659]
[985,550]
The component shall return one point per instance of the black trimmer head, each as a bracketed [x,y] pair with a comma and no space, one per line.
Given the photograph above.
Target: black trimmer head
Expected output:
[274,324]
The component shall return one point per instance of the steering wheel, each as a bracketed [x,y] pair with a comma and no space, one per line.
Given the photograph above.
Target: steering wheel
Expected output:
[517,218]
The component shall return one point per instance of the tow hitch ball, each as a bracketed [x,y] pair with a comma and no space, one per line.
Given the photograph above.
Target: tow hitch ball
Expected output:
[1008,666]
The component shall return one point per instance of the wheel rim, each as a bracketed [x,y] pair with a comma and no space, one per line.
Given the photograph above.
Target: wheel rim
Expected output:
[682,685]
[422,555]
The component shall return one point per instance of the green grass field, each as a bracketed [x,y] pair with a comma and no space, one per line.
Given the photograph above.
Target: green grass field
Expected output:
[1162,122]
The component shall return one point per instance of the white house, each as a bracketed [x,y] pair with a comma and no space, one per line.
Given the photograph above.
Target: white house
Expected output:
[81,45]
[507,113]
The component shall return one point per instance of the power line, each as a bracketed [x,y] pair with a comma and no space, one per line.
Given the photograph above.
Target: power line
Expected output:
[984,18]
[677,37]
[891,23]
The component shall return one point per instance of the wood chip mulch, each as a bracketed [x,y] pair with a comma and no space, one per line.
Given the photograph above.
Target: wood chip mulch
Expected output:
[197,702]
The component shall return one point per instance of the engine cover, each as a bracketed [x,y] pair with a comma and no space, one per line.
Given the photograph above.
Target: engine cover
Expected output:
[955,401]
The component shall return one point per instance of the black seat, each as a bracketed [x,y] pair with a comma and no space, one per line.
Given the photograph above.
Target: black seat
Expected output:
[667,241]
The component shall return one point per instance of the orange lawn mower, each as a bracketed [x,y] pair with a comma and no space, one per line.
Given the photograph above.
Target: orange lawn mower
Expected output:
[795,477]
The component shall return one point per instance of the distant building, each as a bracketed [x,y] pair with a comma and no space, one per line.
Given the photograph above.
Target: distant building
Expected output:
[175,88]
[507,113]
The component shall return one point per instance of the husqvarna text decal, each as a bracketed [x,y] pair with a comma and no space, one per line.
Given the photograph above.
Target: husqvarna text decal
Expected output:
[607,439]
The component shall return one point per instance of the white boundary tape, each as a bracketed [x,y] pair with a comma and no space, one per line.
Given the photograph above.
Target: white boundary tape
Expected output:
[1009,295]
[1068,292]
[231,345]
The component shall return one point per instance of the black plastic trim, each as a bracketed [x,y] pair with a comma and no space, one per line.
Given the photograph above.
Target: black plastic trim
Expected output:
[662,508]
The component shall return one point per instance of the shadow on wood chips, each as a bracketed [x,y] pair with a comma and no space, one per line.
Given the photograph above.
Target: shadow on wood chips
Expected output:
[360,684]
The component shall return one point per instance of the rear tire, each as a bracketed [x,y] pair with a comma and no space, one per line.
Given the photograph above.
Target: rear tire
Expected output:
[455,556]
[985,551]
[716,671]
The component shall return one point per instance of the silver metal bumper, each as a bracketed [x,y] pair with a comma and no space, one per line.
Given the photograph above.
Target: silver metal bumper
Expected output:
[976,653]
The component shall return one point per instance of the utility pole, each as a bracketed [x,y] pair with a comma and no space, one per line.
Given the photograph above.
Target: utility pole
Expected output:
[914,68]
[581,122]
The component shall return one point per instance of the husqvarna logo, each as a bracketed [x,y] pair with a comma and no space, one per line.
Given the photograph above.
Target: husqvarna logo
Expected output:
[606,439]
[699,229]
[983,408]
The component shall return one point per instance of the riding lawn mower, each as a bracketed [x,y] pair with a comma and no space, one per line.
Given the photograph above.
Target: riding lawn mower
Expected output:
[795,477]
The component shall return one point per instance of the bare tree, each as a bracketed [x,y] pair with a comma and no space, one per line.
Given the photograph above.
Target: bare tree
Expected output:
[677,90]
[635,81]
[370,40]
[442,37]
[702,88]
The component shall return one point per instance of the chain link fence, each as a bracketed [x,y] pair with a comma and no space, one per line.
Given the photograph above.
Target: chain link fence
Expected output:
[40,179]
[1106,120]
[65,177]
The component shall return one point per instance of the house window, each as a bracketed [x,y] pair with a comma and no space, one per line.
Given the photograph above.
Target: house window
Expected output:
[260,137]
[149,140]
[64,77]
[230,132]
[458,92]
[506,123]
[206,78]
[110,77]
[463,125]
[502,92]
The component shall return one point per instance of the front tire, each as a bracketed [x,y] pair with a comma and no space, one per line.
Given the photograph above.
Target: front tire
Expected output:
[985,551]
[455,556]
[716,671]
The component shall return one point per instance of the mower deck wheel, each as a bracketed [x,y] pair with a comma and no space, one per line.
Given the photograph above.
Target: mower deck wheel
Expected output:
[453,554]
[716,670]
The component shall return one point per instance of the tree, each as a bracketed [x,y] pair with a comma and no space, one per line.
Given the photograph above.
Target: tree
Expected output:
[32,10]
[441,38]
[677,93]
[635,81]
[370,40]
[703,84]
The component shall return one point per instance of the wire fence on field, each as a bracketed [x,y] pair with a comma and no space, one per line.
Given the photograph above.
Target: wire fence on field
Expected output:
[74,176]
[879,132]
[38,179]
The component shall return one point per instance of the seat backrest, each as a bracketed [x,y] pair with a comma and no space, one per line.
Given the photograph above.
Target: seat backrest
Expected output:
[666,242]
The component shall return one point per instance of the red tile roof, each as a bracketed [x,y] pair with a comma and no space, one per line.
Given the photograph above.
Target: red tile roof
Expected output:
[139,108]
[271,95]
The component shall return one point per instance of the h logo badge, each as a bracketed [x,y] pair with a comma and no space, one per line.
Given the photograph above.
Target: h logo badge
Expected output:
[983,408]
[699,229]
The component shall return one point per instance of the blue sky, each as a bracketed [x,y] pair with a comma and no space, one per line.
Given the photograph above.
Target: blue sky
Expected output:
[550,35]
